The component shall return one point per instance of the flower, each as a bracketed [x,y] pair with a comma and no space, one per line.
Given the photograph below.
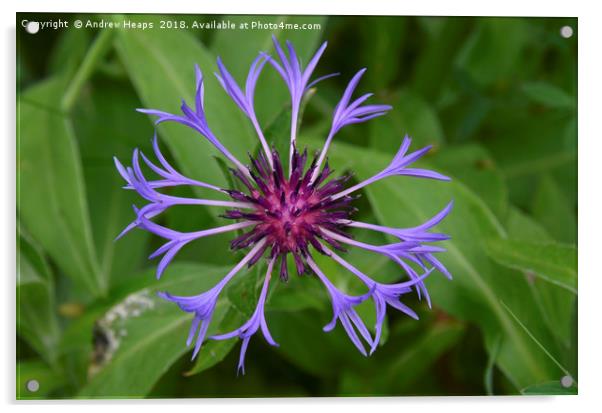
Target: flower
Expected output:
[300,213]
[256,322]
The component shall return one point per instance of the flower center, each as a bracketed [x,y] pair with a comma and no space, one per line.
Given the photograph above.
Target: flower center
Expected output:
[290,212]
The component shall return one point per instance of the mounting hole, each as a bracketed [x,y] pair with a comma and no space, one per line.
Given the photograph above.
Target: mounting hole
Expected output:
[566,381]
[566,31]
[33,386]
[32,27]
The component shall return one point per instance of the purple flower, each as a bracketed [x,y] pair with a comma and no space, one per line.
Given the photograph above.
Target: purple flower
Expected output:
[347,114]
[297,80]
[256,322]
[245,100]
[398,166]
[343,310]
[195,119]
[203,305]
[298,214]
[382,294]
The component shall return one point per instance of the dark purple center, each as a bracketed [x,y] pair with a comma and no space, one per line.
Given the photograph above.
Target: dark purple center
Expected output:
[290,212]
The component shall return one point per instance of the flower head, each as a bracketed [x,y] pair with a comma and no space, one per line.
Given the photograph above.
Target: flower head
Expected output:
[297,214]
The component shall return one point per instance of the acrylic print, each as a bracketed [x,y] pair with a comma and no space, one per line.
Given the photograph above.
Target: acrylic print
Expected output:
[277,206]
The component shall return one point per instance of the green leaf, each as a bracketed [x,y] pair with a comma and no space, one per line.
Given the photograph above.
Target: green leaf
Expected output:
[550,388]
[440,338]
[47,379]
[552,209]
[111,104]
[243,292]
[138,339]
[304,343]
[411,115]
[382,41]
[69,51]
[491,55]
[517,146]
[536,341]
[433,64]
[36,313]
[473,165]
[549,95]
[407,365]
[277,134]
[160,64]
[558,304]
[522,227]
[51,195]
[296,294]
[555,263]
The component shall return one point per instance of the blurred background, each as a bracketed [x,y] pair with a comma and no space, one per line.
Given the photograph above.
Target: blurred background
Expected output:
[496,97]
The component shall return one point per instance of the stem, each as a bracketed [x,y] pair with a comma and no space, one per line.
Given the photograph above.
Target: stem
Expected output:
[356,187]
[349,241]
[96,52]
[242,263]
[266,147]
[219,230]
[322,156]
[373,227]
[294,119]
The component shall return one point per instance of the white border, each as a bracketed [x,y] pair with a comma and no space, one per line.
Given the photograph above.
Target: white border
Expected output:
[590,70]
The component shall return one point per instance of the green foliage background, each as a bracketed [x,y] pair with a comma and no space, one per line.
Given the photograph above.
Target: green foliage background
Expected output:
[495,96]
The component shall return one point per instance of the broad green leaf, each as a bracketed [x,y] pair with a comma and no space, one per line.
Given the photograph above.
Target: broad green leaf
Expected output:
[243,292]
[556,263]
[417,358]
[160,64]
[110,205]
[406,366]
[558,304]
[548,95]
[522,227]
[382,40]
[411,115]
[552,209]
[304,343]
[47,380]
[36,313]
[51,194]
[477,287]
[473,165]
[550,388]
[296,294]
[492,52]
[139,338]
[435,61]
[536,341]
[69,51]
[527,145]
[278,133]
